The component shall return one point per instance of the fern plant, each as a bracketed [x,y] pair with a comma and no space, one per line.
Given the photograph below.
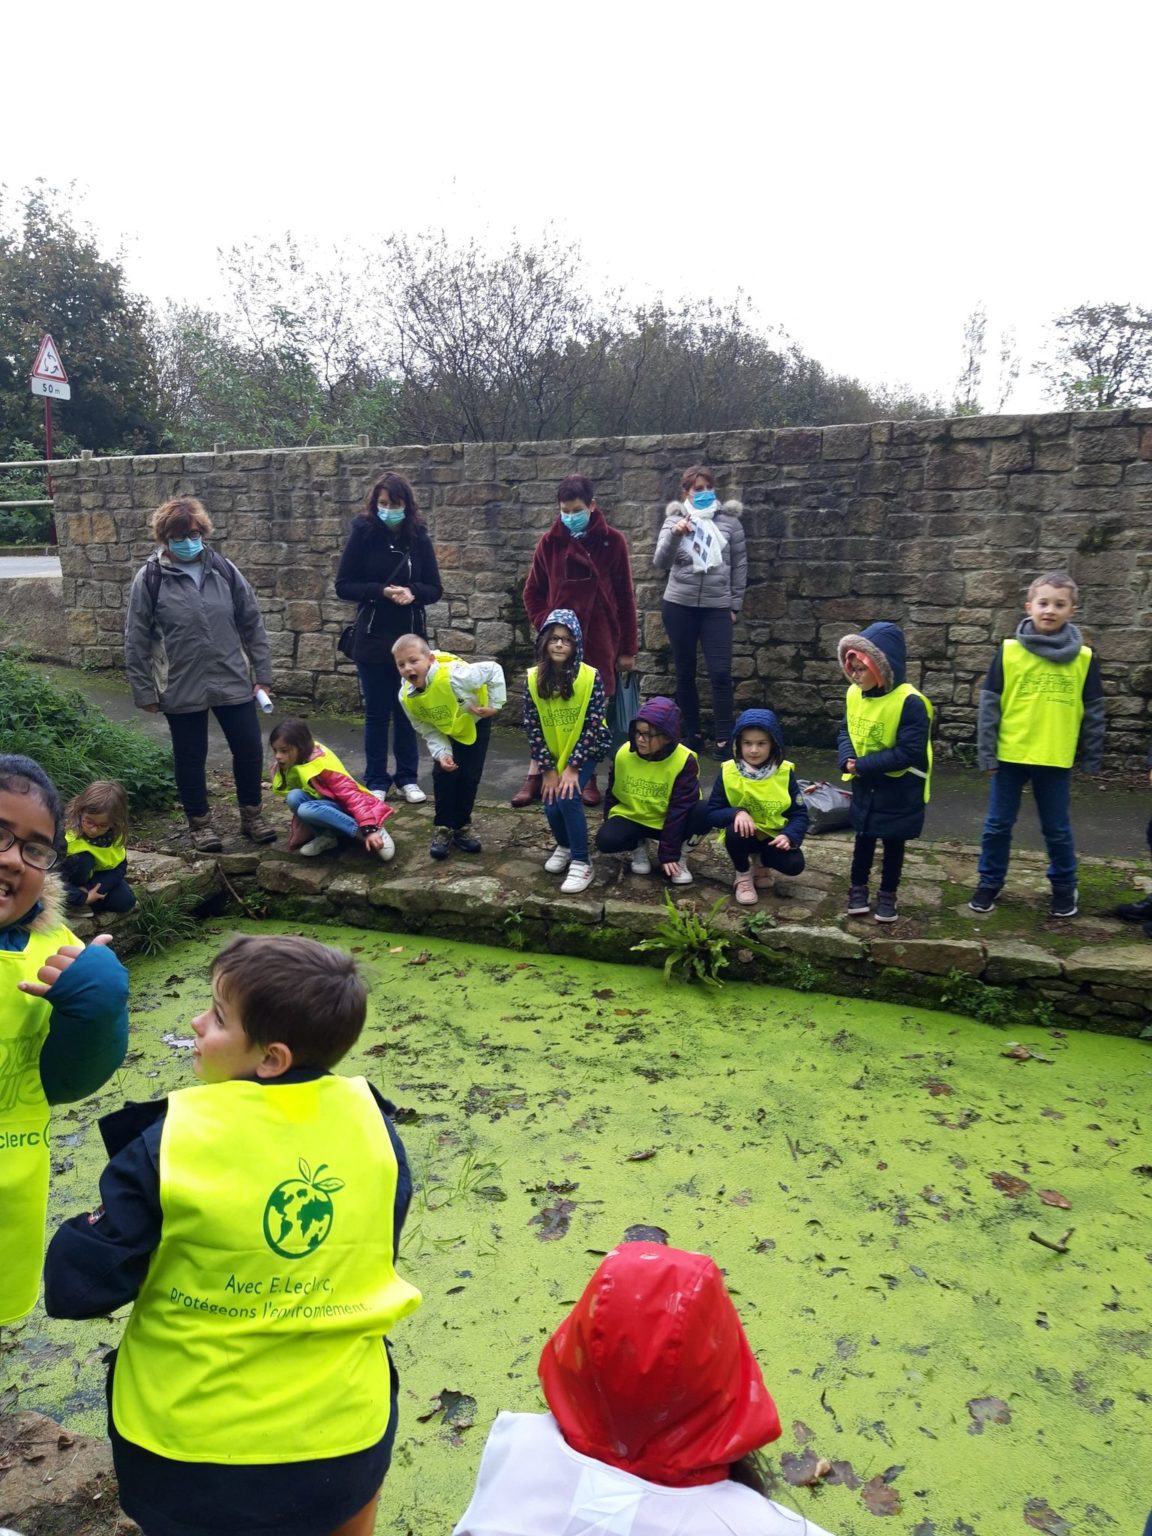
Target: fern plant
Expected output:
[696,952]
[163,920]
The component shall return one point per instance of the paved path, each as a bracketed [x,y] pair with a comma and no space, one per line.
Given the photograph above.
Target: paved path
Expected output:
[29,565]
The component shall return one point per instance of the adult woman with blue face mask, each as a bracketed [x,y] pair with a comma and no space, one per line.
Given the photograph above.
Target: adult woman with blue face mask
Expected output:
[582,563]
[194,641]
[702,547]
[389,570]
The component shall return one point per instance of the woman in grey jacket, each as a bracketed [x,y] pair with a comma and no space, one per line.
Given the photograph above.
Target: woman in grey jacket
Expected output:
[701,546]
[194,641]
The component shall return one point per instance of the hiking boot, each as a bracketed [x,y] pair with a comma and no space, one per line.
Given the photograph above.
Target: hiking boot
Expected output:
[1134,911]
[323,842]
[1064,901]
[983,898]
[205,838]
[467,842]
[579,878]
[858,904]
[590,794]
[641,863]
[441,845]
[530,790]
[885,907]
[744,888]
[558,860]
[254,827]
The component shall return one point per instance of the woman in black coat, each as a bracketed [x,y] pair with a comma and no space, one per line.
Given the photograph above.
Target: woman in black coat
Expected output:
[389,569]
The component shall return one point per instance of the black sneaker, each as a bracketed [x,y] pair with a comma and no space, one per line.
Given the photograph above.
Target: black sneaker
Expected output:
[858,904]
[466,842]
[885,907]
[984,898]
[441,842]
[1064,901]
[1134,911]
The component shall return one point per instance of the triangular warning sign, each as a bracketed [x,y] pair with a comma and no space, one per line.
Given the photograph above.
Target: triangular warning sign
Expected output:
[48,365]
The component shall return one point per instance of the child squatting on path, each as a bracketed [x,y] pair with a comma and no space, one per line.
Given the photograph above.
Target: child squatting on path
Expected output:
[451,703]
[95,871]
[653,791]
[564,717]
[1041,710]
[885,749]
[657,1406]
[255,1220]
[326,802]
[63,1018]
[756,800]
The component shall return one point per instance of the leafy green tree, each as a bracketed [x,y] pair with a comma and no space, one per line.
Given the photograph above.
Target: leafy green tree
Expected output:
[53,278]
[1102,357]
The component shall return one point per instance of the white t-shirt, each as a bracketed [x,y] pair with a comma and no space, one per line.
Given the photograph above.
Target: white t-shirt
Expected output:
[532,1483]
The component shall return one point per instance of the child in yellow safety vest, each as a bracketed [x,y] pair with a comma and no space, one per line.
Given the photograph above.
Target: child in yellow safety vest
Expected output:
[564,716]
[451,703]
[325,800]
[885,750]
[95,871]
[63,1019]
[756,801]
[653,792]
[1041,711]
[255,1221]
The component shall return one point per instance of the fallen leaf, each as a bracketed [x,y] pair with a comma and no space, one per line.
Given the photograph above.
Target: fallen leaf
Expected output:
[641,1157]
[1040,1515]
[843,1475]
[1009,1185]
[937,1088]
[603,993]
[1144,1170]
[1052,1114]
[553,1220]
[743,1198]
[801,1432]
[1021,1052]
[399,950]
[457,1411]
[1054,1197]
[422,958]
[644,1234]
[988,1410]
[804,1471]
[880,1498]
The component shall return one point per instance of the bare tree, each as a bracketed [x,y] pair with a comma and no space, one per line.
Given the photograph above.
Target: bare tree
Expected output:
[967,398]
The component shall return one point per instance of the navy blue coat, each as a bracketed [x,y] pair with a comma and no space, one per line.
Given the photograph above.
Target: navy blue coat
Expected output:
[883,807]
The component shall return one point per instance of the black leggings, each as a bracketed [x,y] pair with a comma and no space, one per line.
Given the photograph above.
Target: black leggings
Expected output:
[454,790]
[620,834]
[190,754]
[891,865]
[710,629]
[787,861]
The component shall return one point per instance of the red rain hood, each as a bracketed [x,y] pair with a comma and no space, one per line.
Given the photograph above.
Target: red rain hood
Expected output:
[651,1372]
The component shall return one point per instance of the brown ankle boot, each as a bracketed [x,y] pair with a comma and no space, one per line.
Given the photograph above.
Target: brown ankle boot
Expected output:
[530,790]
[205,838]
[590,794]
[253,825]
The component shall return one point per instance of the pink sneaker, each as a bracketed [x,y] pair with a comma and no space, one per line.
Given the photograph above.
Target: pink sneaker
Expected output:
[745,888]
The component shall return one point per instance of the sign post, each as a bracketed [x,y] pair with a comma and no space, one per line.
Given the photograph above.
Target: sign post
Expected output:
[50,380]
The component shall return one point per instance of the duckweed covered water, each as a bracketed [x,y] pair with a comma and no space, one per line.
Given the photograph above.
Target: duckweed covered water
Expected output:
[867,1175]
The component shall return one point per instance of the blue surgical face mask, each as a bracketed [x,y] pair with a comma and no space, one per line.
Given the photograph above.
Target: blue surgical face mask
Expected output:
[575,522]
[186,549]
[391,517]
[702,500]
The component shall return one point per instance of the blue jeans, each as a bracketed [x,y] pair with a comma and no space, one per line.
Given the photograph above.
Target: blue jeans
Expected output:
[568,822]
[324,815]
[1051,789]
[380,685]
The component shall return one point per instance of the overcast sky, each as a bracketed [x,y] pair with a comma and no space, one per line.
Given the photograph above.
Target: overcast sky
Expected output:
[866,173]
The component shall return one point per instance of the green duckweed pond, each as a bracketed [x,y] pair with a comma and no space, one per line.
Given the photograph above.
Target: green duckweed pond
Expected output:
[868,1176]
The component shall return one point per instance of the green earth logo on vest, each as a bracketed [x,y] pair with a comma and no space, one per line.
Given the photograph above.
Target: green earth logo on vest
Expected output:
[298,1216]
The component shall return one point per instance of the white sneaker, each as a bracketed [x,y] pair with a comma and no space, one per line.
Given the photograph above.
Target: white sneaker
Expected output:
[641,863]
[387,848]
[685,875]
[323,842]
[558,860]
[378,794]
[412,793]
[579,879]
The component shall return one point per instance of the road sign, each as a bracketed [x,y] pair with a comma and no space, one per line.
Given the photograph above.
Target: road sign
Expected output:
[48,376]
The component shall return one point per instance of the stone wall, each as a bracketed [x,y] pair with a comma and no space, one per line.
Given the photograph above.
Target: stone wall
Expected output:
[938,525]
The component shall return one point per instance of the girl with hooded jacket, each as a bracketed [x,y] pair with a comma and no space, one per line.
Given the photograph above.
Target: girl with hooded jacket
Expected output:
[702,547]
[756,800]
[657,1405]
[564,716]
[885,752]
[653,791]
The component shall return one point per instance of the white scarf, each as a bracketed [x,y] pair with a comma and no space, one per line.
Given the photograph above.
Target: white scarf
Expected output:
[708,543]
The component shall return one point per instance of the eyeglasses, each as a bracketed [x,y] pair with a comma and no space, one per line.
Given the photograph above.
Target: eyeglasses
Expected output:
[644,735]
[35,855]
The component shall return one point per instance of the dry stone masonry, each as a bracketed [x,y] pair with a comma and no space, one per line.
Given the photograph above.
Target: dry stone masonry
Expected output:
[937,525]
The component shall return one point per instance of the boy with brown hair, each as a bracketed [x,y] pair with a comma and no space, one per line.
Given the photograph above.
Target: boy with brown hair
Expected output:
[255,1221]
[1041,711]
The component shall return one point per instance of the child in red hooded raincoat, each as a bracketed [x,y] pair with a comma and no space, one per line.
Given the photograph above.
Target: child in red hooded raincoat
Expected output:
[655,1398]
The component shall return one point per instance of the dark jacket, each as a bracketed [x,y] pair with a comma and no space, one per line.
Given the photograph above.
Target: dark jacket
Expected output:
[663,715]
[374,558]
[592,575]
[595,737]
[883,807]
[1061,648]
[78,873]
[719,813]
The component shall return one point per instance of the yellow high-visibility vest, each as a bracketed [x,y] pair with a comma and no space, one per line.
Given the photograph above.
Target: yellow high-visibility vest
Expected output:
[562,720]
[643,786]
[102,858]
[300,775]
[767,801]
[258,1333]
[1041,707]
[438,707]
[873,724]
